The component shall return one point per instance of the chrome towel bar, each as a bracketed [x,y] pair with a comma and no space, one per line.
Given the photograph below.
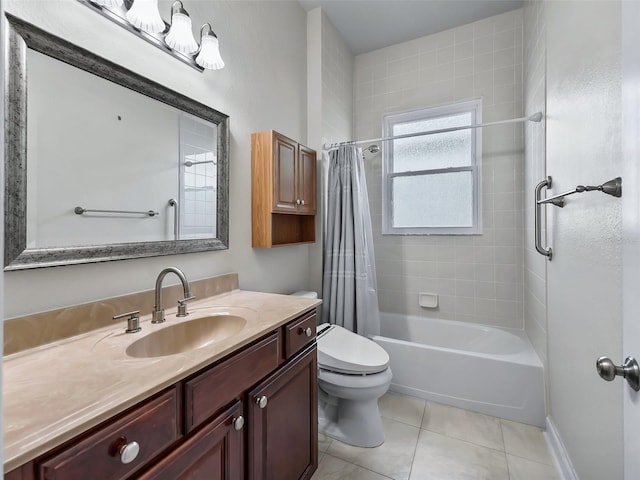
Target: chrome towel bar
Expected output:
[80,211]
[612,187]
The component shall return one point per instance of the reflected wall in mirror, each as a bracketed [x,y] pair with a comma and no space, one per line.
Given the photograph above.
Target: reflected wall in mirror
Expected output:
[84,133]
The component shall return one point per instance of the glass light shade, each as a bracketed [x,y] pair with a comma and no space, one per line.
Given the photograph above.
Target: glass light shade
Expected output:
[144,15]
[209,56]
[108,3]
[180,36]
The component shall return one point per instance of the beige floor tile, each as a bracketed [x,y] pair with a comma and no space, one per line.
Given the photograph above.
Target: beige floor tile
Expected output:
[393,458]
[464,425]
[523,469]
[332,468]
[323,442]
[525,441]
[439,457]
[402,408]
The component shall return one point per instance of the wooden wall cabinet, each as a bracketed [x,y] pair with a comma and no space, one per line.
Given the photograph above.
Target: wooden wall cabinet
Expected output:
[252,415]
[283,191]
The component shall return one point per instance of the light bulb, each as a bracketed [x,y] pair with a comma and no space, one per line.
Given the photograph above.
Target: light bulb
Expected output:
[180,36]
[209,56]
[144,15]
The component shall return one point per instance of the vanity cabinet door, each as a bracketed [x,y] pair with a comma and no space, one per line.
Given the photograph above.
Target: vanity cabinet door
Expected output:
[283,422]
[306,180]
[212,453]
[285,169]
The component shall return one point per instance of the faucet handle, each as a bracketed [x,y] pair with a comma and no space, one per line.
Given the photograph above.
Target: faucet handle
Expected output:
[133,322]
[182,306]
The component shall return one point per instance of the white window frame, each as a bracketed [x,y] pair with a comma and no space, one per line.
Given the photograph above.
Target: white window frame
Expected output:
[475,108]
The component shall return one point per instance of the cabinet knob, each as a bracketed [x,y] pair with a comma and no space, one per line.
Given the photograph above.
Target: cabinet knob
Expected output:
[298,201]
[306,331]
[262,401]
[129,451]
[238,422]
[301,202]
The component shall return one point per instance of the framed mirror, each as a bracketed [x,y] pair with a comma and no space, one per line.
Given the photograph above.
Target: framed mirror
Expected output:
[103,164]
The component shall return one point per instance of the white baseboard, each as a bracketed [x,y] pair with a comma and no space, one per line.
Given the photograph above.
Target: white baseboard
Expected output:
[561,457]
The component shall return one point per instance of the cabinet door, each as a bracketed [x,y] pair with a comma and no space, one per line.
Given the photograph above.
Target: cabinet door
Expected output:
[213,453]
[307,180]
[283,429]
[285,153]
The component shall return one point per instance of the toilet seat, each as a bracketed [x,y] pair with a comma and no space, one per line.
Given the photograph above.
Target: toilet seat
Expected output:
[345,352]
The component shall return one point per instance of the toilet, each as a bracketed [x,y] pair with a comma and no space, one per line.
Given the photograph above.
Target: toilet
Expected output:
[353,373]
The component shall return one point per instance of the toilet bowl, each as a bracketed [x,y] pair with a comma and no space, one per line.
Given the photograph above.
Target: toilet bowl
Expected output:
[353,373]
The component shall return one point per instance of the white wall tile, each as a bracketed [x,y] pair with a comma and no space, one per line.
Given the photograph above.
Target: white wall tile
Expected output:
[479,278]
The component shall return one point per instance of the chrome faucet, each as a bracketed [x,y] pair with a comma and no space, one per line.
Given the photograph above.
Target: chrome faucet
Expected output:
[157,315]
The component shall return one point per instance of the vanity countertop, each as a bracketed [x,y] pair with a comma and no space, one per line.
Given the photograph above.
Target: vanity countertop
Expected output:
[56,391]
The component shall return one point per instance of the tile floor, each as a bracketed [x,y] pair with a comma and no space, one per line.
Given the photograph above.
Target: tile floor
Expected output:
[428,441]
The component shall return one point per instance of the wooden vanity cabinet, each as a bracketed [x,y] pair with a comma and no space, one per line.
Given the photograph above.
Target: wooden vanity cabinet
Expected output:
[210,426]
[282,428]
[213,452]
[283,190]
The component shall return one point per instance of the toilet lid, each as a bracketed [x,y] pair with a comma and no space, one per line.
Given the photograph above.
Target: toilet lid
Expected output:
[343,351]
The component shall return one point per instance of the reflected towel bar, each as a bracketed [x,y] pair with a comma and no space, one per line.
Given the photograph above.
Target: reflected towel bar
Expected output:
[176,218]
[80,211]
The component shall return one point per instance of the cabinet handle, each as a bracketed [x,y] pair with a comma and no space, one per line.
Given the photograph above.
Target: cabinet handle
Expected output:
[307,331]
[128,452]
[262,401]
[238,422]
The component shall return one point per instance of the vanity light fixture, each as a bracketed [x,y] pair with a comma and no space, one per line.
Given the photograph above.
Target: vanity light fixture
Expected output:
[144,14]
[209,55]
[142,18]
[180,36]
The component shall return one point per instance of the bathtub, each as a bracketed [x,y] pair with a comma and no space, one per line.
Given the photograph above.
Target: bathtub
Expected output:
[489,370]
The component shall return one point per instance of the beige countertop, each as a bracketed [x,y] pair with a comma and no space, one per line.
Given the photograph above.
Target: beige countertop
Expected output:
[56,391]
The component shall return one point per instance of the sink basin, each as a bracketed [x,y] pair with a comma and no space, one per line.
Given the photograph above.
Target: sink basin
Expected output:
[187,335]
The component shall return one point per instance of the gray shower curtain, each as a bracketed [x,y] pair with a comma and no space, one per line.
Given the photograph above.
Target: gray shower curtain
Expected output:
[349,275]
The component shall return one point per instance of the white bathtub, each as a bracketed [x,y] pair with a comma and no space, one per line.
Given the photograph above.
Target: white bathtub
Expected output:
[485,369]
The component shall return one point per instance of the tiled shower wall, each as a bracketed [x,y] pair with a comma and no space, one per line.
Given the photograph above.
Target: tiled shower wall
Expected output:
[477,278]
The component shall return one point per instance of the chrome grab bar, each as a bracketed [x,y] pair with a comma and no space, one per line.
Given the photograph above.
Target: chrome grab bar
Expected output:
[80,211]
[176,218]
[547,252]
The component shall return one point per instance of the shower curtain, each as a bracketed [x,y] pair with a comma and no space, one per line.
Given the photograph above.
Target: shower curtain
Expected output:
[349,274]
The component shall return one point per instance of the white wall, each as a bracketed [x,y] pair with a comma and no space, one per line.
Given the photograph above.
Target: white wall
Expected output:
[478,278]
[330,94]
[263,86]
[583,146]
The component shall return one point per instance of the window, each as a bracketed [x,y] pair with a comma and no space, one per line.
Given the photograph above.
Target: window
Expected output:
[198,177]
[431,183]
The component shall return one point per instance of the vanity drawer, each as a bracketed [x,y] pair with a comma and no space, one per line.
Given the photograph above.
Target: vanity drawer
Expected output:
[299,333]
[153,425]
[212,390]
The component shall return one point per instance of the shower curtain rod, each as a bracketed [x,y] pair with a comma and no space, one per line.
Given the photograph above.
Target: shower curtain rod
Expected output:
[536,117]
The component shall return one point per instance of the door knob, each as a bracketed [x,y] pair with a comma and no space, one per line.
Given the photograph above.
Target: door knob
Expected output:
[629,370]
